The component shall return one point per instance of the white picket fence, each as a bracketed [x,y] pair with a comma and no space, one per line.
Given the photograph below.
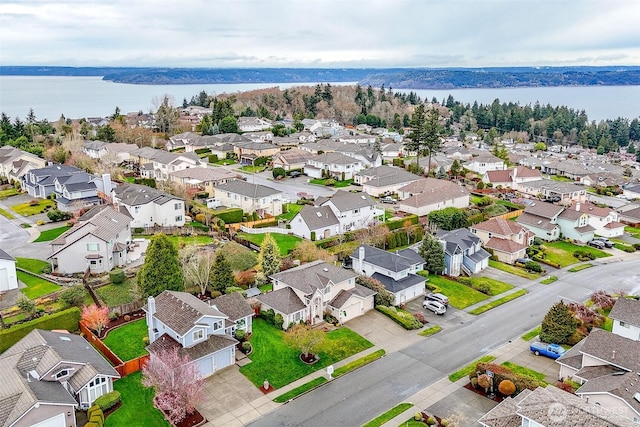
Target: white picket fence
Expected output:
[276,230]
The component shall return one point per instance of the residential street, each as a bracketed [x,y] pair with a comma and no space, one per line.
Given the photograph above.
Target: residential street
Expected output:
[373,389]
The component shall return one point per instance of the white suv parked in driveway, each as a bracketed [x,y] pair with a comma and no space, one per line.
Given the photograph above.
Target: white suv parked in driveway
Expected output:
[434,306]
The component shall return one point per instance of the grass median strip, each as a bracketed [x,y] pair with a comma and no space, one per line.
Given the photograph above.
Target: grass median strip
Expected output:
[549,280]
[388,416]
[430,331]
[496,303]
[300,390]
[580,267]
[6,214]
[532,334]
[54,233]
[463,372]
[512,269]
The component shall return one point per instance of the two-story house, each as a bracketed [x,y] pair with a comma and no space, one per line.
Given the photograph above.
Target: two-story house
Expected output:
[165,163]
[335,165]
[548,188]
[430,194]
[342,212]
[8,276]
[253,124]
[307,292]
[196,328]
[603,220]
[384,180]
[47,375]
[463,252]
[80,190]
[40,182]
[574,224]
[248,152]
[14,163]
[250,197]
[507,239]
[626,318]
[484,162]
[396,271]
[511,178]
[203,179]
[98,241]
[149,207]
[542,219]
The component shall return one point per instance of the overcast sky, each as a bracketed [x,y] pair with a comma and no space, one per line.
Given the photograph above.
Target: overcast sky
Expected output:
[319,33]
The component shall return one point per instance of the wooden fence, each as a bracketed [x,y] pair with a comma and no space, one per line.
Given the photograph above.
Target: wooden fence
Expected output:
[509,215]
[127,308]
[123,368]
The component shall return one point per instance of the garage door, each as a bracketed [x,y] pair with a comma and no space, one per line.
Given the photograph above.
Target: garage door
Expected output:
[57,421]
[205,366]
[223,358]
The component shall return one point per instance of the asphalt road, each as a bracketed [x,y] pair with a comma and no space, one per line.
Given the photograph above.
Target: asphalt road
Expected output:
[355,398]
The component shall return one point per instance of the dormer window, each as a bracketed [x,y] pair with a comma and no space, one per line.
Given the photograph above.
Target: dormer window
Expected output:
[198,334]
[61,374]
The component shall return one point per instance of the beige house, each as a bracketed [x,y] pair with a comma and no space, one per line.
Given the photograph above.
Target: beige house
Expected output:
[384,180]
[203,179]
[14,163]
[250,197]
[511,178]
[294,159]
[507,239]
[431,194]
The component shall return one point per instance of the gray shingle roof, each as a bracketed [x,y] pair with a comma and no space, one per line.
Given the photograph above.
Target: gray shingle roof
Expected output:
[6,256]
[180,311]
[213,344]
[626,310]
[284,300]
[233,305]
[613,349]
[461,237]
[134,194]
[317,217]
[346,201]
[388,175]
[393,285]
[254,191]
[554,186]
[389,261]
[536,221]
[314,275]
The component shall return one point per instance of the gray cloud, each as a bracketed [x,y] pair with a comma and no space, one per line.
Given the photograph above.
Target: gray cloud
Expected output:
[356,33]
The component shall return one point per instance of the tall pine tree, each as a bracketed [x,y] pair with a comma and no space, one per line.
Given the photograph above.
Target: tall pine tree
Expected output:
[161,268]
[558,324]
[222,273]
[269,260]
[433,254]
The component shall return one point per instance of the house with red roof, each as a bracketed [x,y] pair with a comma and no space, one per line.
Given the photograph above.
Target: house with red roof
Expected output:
[507,239]
[511,178]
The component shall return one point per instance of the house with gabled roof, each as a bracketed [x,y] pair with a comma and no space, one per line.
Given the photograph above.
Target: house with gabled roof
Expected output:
[315,223]
[253,124]
[47,375]
[574,224]
[149,207]
[336,165]
[294,159]
[395,270]
[199,329]
[250,197]
[368,157]
[430,194]
[307,292]
[8,276]
[548,188]
[507,239]
[40,182]
[248,152]
[15,163]
[384,180]
[463,252]
[626,318]
[603,220]
[203,179]
[484,162]
[98,241]
[511,178]
[542,219]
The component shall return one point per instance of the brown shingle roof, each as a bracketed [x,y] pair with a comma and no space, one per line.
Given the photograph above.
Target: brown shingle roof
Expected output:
[613,349]
[543,209]
[180,310]
[233,305]
[283,300]
[213,344]
[504,245]
[500,226]
[626,310]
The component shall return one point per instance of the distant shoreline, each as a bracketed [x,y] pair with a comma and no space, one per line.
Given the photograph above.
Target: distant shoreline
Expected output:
[396,78]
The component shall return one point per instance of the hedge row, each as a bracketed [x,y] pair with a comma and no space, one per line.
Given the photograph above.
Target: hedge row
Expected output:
[399,223]
[108,400]
[401,317]
[500,373]
[546,261]
[273,223]
[66,319]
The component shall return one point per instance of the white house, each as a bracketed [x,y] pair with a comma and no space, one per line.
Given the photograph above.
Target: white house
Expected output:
[547,188]
[431,194]
[384,180]
[149,207]
[605,221]
[511,178]
[344,211]
[196,328]
[463,252]
[336,165]
[8,276]
[309,291]
[396,271]
[626,318]
[99,241]
[484,162]
[47,375]
[250,197]
[253,124]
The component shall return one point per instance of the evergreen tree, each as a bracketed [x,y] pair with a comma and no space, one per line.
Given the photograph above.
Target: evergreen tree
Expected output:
[222,274]
[161,268]
[431,134]
[456,168]
[433,254]
[416,135]
[269,257]
[558,324]
[228,124]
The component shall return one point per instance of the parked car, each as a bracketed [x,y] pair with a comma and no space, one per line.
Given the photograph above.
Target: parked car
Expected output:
[596,244]
[553,199]
[294,174]
[523,261]
[549,350]
[441,298]
[388,199]
[608,243]
[434,306]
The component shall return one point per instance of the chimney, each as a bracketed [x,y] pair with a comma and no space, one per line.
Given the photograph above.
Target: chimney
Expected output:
[151,304]
[361,253]
[578,206]
[151,309]
[106,184]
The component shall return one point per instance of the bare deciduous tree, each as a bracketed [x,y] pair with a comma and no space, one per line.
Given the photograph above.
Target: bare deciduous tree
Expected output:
[197,267]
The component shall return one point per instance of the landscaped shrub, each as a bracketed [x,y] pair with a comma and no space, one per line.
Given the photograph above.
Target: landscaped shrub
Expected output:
[420,318]
[246,347]
[279,172]
[202,150]
[313,236]
[108,400]
[401,317]
[138,230]
[240,335]
[399,223]
[117,276]
[97,418]
[145,340]
[201,218]
[330,182]
[626,248]
[507,387]
[73,296]
[584,255]
[232,289]
[533,266]
[149,182]
[66,319]
[213,158]
[272,223]
[94,409]
[57,215]
[501,373]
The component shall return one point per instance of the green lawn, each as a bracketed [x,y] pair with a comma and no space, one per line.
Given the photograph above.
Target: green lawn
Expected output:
[512,269]
[580,267]
[496,287]
[300,390]
[252,169]
[338,184]
[509,204]
[634,231]
[562,252]
[36,287]
[538,376]
[8,193]
[126,340]
[25,209]
[430,331]
[6,214]
[30,264]
[187,240]
[460,296]
[388,416]
[532,334]
[114,295]
[137,405]
[292,209]
[285,242]
[463,372]
[272,360]
[549,280]
[560,178]
[498,302]
[54,233]
[240,257]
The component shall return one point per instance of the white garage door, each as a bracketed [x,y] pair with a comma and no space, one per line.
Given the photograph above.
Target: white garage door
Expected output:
[57,421]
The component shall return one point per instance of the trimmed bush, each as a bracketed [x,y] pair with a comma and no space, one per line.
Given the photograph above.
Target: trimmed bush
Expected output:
[533,266]
[213,158]
[272,223]
[73,296]
[66,319]
[202,150]
[401,317]
[117,276]
[94,409]
[399,223]
[57,215]
[108,400]
[97,417]
[502,373]
[279,172]
[138,230]
[240,335]
[507,387]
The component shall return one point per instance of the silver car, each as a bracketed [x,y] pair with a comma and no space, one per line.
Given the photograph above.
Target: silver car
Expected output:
[435,306]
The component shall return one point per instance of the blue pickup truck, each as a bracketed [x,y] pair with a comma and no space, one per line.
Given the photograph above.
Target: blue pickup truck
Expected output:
[550,350]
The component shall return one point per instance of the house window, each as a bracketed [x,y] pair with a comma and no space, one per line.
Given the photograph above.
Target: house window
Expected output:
[62,373]
[97,388]
[356,211]
[296,317]
[217,325]
[177,206]
[136,209]
[93,247]
[179,218]
[624,325]
[198,335]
